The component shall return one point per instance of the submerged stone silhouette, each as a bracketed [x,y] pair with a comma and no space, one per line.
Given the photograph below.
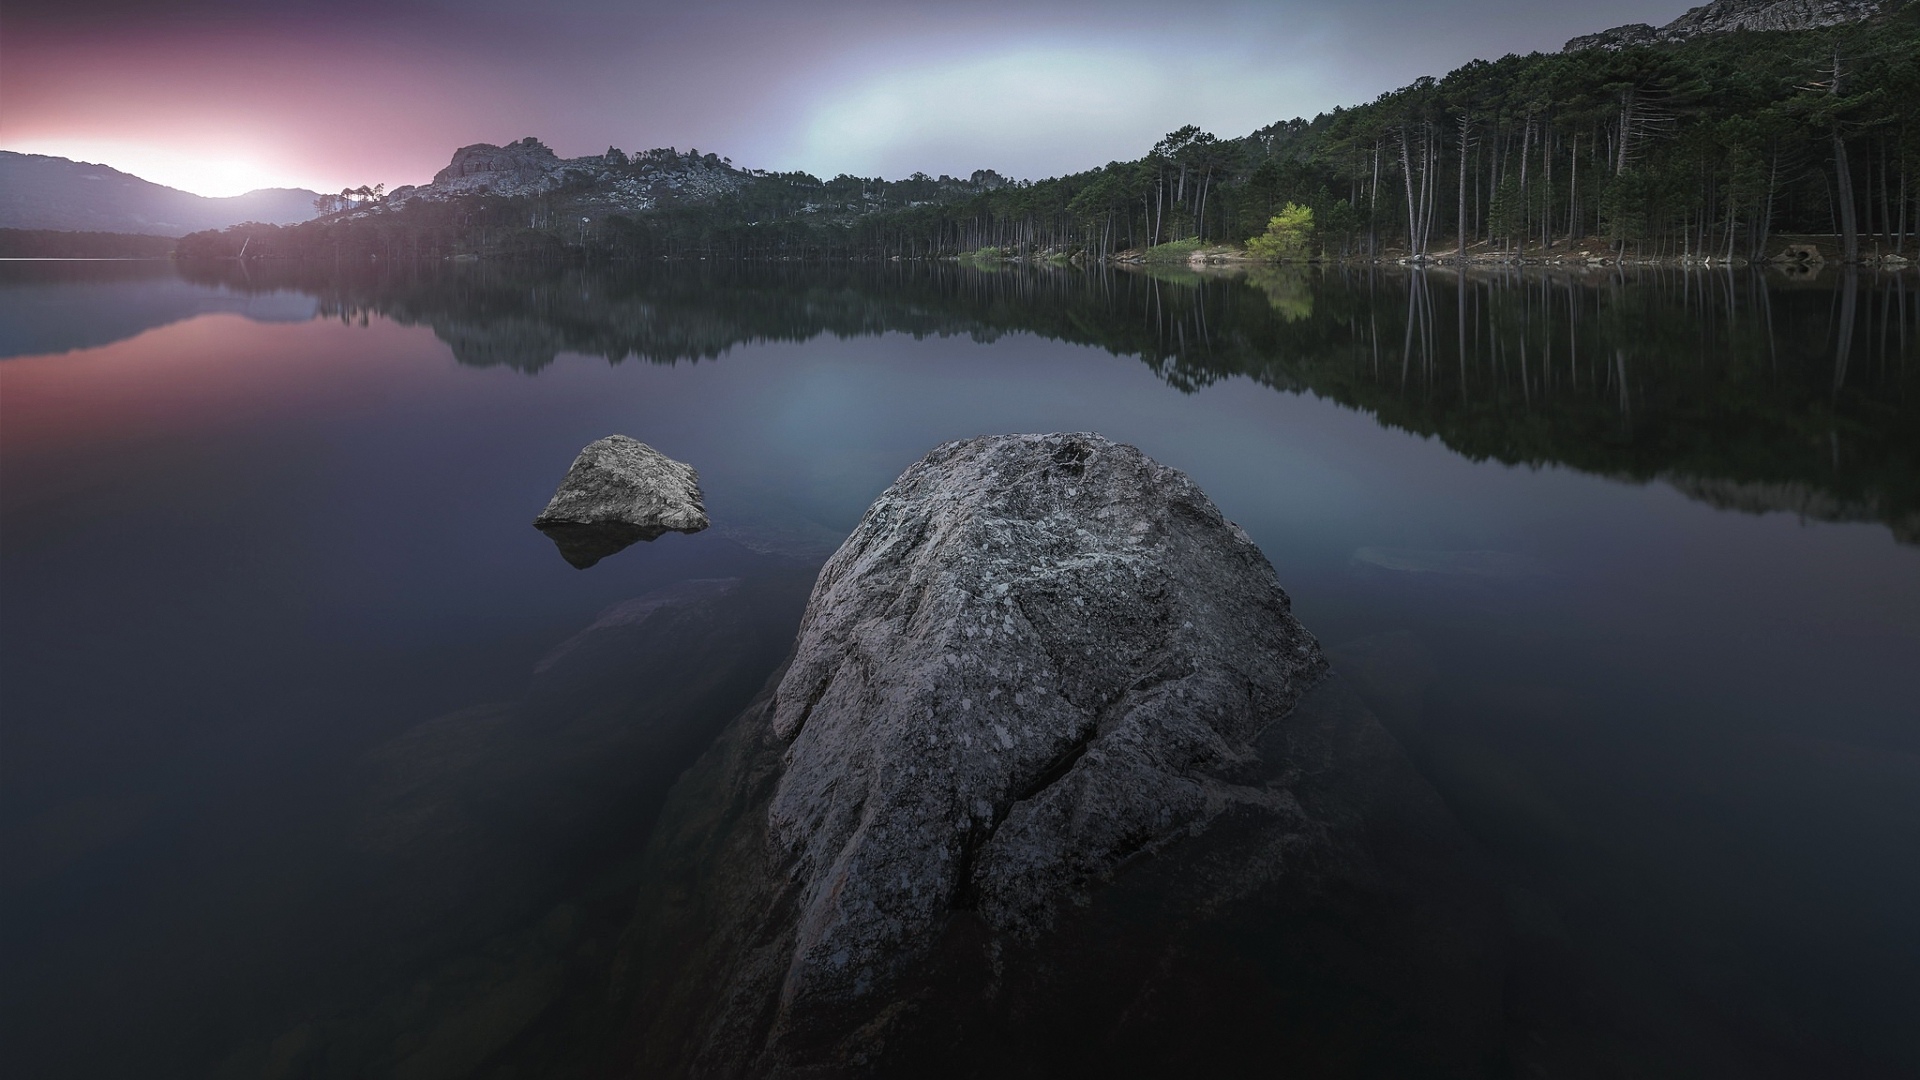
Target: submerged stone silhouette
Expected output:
[1049,785]
[618,492]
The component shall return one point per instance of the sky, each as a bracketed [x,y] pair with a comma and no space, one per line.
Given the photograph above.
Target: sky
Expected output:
[222,96]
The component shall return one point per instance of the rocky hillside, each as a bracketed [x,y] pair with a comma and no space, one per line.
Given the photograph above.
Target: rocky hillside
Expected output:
[1727,16]
[558,195]
[605,183]
[42,192]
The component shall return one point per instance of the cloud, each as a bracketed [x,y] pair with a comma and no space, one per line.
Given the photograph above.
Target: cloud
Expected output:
[355,91]
[1038,110]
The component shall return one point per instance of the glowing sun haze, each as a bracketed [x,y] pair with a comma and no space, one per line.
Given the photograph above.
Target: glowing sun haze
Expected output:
[222,96]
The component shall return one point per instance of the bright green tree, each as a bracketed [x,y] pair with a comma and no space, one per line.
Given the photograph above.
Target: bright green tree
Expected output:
[1287,234]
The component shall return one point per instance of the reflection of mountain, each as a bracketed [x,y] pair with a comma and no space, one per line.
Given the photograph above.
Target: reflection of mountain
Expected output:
[1762,394]
[58,307]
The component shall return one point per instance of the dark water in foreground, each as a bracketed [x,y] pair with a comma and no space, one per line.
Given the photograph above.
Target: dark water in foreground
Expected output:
[295,784]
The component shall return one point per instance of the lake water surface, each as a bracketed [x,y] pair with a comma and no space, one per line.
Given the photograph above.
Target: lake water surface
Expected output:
[1628,560]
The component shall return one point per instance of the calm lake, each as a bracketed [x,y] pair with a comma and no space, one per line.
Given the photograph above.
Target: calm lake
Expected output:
[1628,560]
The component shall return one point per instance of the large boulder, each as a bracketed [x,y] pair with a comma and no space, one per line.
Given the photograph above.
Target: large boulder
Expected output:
[620,491]
[1047,786]
[1036,657]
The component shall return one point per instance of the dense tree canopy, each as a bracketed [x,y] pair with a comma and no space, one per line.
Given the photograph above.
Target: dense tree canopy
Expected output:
[1707,147]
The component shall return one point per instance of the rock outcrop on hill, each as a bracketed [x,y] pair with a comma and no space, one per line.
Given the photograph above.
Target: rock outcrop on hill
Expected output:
[600,184]
[618,492]
[527,167]
[1049,786]
[1727,16]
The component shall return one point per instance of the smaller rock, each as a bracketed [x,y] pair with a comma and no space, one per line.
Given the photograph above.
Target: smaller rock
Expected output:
[618,492]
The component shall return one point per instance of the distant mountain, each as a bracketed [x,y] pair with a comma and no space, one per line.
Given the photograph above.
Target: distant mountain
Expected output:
[1727,16]
[42,192]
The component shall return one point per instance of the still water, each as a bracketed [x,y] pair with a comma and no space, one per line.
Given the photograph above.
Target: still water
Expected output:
[1628,561]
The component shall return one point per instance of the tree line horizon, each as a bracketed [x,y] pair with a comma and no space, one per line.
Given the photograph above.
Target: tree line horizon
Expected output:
[1712,147]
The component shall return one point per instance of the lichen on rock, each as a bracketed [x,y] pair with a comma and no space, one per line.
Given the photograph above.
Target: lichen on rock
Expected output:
[1037,657]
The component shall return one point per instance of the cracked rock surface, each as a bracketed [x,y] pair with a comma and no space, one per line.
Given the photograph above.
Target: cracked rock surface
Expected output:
[1054,784]
[618,492]
[1036,657]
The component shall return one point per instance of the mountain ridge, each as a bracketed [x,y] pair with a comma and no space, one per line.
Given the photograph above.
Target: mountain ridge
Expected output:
[1730,16]
[41,191]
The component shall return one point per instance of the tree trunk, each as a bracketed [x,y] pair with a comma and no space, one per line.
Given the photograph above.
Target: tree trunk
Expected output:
[1406,174]
[1886,203]
[1373,204]
[1202,215]
[1429,187]
[1766,217]
[1900,235]
[1546,190]
[1159,209]
[1626,130]
[1466,133]
[1573,190]
[1843,194]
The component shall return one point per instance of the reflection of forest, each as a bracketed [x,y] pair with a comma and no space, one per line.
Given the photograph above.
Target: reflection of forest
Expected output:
[1740,388]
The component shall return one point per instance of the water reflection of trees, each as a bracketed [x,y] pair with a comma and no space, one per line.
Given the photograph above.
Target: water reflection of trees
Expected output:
[1746,390]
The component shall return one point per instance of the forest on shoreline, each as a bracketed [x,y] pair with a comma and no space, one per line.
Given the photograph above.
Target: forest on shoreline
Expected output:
[1713,147]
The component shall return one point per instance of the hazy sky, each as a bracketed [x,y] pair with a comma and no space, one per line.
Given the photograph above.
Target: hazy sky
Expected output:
[219,96]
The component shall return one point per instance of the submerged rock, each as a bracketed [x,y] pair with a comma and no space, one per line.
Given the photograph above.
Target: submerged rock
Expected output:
[619,492]
[1464,564]
[1033,794]
[484,859]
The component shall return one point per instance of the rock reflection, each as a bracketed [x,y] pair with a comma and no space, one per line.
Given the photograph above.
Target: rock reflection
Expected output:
[618,492]
[584,545]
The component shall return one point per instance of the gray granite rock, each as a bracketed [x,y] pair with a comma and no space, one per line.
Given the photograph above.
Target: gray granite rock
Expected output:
[1053,785]
[618,492]
[596,185]
[527,167]
[1035,658]
[1729,16]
